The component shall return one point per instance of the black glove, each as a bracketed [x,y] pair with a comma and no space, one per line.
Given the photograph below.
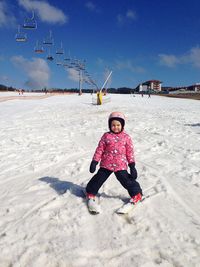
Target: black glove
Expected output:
[93,165]
[133,170]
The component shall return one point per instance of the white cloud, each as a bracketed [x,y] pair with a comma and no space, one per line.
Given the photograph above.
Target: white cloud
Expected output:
[91,6]
[2,13]
[4,78]
[168,60]
[7,19]
[191,57]
[128,65]
[37,70]
[73,75]
[45,11]
[129,16]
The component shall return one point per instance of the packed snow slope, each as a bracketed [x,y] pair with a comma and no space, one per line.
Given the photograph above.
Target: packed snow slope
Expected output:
[46,146]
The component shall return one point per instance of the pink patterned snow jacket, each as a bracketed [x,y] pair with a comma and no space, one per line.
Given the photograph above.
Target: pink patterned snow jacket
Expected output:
[115,151]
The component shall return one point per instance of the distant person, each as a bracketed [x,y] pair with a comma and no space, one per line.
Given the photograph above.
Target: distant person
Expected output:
[115,152]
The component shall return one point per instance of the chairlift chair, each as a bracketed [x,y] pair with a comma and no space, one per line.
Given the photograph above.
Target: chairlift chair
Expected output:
[38,48]
[59,61]
[30,23]
[50,57]
[20,36]
[65,65]
[60,51]
[73,63]
[82,67]
[49,39]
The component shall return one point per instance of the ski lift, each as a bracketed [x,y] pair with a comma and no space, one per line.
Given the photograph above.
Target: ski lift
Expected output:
[67,59]
[60,51]
[82,67]
[30,23]
[50,57]
[38,48]
[80,64]
[59,61]
[20,36]
[66,65]
[49,39]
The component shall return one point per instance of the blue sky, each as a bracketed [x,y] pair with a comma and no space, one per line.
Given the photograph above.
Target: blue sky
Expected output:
[138,40]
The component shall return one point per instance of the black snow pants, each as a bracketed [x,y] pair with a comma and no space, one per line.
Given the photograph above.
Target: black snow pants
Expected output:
[130,184]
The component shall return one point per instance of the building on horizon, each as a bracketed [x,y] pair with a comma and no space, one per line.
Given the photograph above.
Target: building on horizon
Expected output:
[156,86]
[151,85]
[191,88]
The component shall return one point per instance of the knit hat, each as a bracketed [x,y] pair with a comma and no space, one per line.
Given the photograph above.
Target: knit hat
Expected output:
[118,116]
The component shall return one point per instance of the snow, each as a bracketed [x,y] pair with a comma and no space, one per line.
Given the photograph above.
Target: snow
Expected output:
[46,146]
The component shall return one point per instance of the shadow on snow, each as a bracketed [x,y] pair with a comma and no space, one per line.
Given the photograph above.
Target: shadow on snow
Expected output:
[61,187]
[193,124]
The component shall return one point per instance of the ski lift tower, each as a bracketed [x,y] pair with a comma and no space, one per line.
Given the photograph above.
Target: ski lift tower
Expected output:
[81,68]
[48,41]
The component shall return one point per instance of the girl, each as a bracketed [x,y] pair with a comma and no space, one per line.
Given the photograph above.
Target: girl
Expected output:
[114,152]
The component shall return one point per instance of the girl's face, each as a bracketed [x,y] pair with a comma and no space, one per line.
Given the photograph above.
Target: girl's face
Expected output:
[116,126]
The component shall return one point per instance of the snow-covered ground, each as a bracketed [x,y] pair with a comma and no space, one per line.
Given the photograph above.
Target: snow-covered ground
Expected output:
[15,94]
[46,146]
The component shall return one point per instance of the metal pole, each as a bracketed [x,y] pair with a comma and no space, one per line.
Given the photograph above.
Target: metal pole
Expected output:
[106,81]
[80,82]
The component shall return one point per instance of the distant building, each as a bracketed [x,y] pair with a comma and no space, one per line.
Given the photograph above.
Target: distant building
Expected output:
[195,87]
[153,85]
[191,88]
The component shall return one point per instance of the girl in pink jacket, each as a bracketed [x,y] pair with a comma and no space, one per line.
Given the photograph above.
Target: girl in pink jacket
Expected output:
[115,153]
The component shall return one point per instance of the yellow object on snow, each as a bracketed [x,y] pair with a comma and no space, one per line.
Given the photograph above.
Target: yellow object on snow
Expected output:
[99,98]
